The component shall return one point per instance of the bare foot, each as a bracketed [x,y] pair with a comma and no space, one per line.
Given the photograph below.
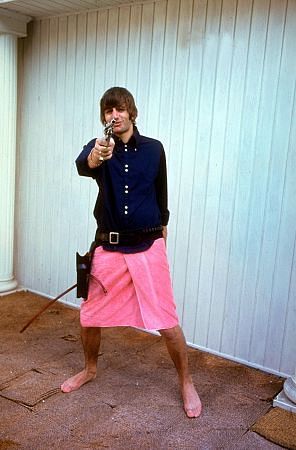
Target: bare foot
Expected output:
[192,403]
[74,383]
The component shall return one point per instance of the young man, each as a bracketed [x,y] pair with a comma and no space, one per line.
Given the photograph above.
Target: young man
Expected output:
[130,257]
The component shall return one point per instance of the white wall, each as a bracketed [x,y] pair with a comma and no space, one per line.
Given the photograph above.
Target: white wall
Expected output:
[215,81]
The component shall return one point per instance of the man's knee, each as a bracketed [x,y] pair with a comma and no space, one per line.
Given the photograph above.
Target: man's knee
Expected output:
[172,334]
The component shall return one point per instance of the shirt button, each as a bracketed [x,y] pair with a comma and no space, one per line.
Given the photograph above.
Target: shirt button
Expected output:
[125,212]
[126,165]
[126,170]
[126,192]
[126,186]
[126,207]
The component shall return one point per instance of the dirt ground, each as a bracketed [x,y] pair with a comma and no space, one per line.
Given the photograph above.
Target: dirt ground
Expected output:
[134,402]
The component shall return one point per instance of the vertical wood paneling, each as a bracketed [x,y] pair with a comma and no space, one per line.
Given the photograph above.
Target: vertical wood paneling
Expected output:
[283,190]
[179,163]
[219,172]
[215,81]
[190,197]
[205,223]
[100,67]
[44,216]
[157,71]
[252,176]
[122,45]
[144,61]
[133,46]
[233,240]
[273,179]
[71,192]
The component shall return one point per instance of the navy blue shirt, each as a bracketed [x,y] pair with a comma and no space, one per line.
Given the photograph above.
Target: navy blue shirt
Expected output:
[132,186]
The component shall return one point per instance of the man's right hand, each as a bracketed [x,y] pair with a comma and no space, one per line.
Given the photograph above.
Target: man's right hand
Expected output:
[101,152]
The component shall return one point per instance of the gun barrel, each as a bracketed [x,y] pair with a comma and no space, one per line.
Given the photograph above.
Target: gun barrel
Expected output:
[108,130]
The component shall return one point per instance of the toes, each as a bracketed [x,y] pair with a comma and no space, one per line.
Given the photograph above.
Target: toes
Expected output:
[65,388]
[193,413]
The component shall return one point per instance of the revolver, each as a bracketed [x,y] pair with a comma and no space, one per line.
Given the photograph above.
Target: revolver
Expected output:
[108,130]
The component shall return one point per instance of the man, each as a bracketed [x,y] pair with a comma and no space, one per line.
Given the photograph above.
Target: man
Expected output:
[129,261]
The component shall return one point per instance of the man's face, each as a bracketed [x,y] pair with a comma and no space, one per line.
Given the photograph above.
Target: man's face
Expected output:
[123,123]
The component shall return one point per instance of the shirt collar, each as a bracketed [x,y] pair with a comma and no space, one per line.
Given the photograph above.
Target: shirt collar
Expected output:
[133,141]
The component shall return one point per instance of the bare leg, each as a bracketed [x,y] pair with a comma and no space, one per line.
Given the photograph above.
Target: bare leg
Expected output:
[177,348]
[91,339]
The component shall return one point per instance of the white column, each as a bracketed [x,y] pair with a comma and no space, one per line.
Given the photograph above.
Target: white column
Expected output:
[12,26]
[290,388]
[8,114]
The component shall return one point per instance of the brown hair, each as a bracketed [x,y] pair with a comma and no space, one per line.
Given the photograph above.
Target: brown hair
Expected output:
[118,97]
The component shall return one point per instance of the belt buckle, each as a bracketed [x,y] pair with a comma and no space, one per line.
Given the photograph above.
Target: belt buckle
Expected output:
[113,237]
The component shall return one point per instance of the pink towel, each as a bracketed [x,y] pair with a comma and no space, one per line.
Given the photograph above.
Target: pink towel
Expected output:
[139,290]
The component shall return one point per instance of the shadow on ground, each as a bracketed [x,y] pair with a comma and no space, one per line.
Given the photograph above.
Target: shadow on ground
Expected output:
[134,402]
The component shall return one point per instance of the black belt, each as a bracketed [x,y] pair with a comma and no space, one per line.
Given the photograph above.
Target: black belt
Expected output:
[128,237]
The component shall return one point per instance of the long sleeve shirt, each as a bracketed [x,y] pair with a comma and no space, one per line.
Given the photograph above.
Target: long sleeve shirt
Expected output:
[132,185]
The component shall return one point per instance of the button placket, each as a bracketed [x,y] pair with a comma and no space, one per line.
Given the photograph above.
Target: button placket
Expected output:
[126,186]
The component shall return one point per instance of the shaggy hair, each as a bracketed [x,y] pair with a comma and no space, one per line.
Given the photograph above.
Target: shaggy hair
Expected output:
[118,97]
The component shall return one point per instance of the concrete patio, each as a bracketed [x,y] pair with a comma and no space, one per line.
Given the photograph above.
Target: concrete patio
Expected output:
[133,403]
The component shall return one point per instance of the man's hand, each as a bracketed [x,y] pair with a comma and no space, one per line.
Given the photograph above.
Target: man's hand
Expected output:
[101,152]
[165,233]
